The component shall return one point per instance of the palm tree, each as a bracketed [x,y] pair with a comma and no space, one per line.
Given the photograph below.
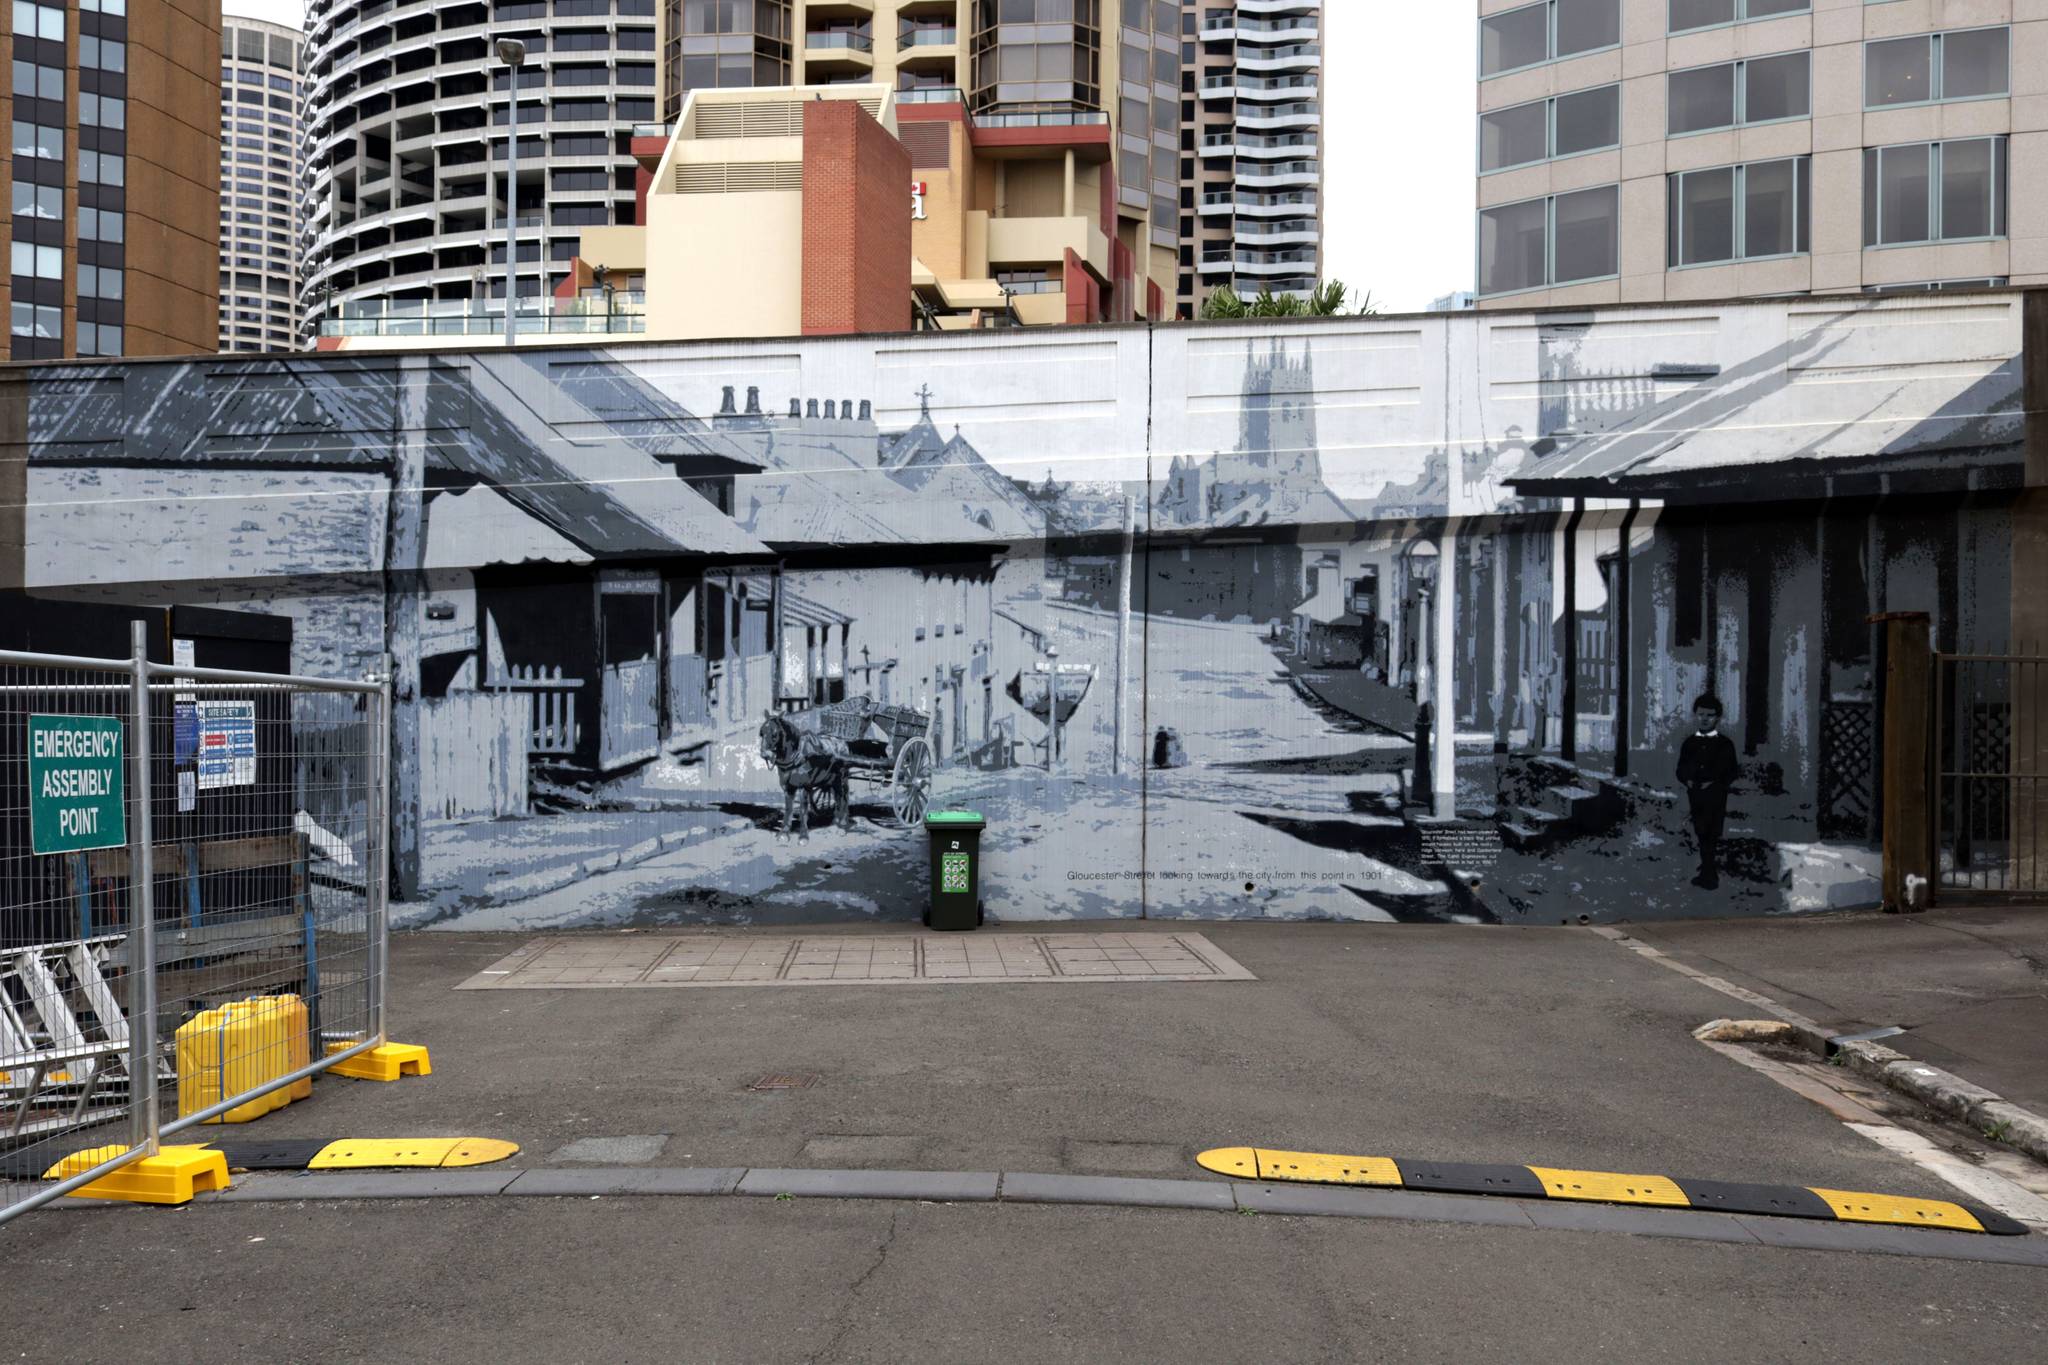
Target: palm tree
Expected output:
[1325,300]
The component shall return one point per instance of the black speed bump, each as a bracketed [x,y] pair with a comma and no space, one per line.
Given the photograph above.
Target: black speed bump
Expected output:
[1783,1201]
[1608,1187]
[1458,1177]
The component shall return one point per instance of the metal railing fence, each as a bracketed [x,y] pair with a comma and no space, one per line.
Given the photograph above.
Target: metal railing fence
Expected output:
[193,886]
[1989,804]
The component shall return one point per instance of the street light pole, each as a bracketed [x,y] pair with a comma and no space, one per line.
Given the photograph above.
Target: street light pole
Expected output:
[512,52]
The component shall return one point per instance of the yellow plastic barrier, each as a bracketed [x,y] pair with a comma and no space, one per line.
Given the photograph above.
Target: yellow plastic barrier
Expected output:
[240,1046]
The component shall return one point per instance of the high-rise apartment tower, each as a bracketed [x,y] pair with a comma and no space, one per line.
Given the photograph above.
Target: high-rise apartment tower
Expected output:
[1251,148]
[113,125]
[408,107]
[1685,149]
[260,221]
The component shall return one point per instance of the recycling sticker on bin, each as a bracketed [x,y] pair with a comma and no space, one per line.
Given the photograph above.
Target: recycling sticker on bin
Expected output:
[953,872]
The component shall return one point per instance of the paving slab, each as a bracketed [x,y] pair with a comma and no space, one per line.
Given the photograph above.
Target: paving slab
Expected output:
[627,1149]
[587,962]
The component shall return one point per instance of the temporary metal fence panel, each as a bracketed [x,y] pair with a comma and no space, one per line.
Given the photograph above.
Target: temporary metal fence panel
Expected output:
[1990,761]
[192,900]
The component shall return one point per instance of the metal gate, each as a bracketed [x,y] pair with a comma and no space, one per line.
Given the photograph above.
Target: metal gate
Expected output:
[193,879]
[1989,806]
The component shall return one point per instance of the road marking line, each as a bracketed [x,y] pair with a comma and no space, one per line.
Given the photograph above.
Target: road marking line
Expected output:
[2002,1195]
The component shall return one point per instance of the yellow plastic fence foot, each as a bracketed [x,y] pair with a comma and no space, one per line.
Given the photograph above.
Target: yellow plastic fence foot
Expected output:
[172,1176]
[385,1062]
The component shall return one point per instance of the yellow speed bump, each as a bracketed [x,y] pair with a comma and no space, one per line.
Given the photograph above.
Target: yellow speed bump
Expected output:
[1321,1168]
[1609,1187]
[1853,1207]
[360,1153]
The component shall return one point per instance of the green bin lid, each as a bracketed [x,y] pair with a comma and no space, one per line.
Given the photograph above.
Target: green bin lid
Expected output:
[964,819]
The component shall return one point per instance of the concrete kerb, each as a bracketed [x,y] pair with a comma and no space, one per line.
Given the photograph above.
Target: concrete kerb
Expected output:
[1214,1196]
[1987,1111]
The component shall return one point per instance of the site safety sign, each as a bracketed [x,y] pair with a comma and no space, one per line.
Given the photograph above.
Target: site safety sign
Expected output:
[227,743]
[75,784]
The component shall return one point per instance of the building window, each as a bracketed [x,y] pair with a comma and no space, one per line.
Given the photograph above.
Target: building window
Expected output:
[38,82]
[1561,239]
[1731,94]
[105,168]
[36,320]
[1928,68]
[35,140]
[1546,32]
[1687,15]
[38,21]
[1583,121]
[35,262]
[108,54]
[107,111]
[1934,286]
[38,201]
[104,225]
[1934,191]
[1739,213]
[98,339]
[99,282]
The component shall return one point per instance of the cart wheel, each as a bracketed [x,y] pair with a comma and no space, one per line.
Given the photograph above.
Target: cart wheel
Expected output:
[824,804]
[910,785]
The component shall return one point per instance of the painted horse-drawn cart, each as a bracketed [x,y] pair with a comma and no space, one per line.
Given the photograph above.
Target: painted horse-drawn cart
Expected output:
[820,752]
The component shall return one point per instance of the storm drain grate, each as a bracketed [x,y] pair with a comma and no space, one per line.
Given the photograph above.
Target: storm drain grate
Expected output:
[785,1080]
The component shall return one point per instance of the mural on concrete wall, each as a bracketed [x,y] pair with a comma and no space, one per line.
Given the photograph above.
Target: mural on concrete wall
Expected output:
[1403,619]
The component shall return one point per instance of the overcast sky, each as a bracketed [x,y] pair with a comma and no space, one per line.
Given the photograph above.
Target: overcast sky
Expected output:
[1397,143]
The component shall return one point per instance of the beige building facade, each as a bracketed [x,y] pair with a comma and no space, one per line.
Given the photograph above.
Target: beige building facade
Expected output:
[1644,150]
[1088,91]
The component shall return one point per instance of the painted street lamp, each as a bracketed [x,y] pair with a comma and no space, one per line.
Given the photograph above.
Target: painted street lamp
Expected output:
[512,53]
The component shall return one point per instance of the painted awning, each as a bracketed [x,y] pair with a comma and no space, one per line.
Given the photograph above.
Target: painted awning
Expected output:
[1848,397]
[798,610]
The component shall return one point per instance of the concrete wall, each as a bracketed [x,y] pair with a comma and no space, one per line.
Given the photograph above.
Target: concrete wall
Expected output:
[1410,626]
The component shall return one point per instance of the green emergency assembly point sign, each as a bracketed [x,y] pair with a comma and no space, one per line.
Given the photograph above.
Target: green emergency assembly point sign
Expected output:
[74,784]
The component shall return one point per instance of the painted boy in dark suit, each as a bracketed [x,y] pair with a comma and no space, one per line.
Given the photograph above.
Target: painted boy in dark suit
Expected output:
[1707,765]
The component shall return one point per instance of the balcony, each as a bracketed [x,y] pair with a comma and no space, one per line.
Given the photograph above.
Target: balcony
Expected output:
[1272,174]
[1227,203]
[837,54]
[1233,85]
[930,52]
[1293,56]
[1302,114]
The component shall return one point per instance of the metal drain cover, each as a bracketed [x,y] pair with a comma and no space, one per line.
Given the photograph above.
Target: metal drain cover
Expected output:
[785,1080]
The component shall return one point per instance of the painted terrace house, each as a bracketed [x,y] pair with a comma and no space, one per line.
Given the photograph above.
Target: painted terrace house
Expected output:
[1209,620]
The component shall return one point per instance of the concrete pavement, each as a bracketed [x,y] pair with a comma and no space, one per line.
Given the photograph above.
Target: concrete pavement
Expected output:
[499,1282]
[1550,1046]
[1464,1044]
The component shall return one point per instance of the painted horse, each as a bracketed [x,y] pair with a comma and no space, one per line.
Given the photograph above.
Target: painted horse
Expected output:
[807,762]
